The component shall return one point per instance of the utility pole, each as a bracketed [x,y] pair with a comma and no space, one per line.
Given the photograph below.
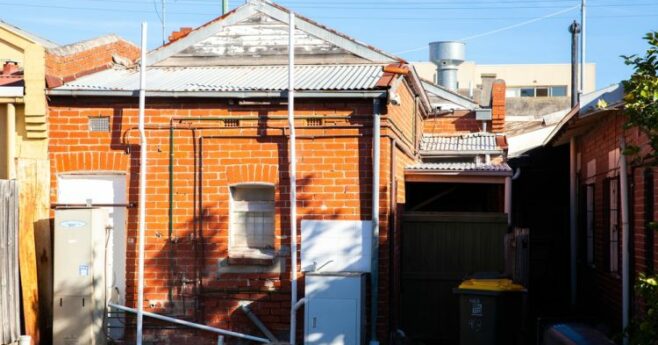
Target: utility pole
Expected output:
[224,7]
[164,22]
[583,43]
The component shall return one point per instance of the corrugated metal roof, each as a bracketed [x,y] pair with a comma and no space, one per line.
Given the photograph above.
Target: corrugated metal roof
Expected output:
[455,167]
[233,78]
[472,143]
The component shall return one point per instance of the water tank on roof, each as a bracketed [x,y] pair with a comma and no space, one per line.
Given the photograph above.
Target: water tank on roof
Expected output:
[447,55]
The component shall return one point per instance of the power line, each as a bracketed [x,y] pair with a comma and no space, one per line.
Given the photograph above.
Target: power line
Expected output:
[513,26]
[509,27]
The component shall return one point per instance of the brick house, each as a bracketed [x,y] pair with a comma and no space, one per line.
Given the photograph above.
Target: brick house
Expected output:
[598,128]
[218,188]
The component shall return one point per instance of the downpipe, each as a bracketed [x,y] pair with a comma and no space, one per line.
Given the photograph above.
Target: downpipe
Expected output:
[374,276]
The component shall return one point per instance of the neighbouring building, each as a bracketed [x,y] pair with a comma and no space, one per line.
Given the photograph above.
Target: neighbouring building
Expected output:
[533,90]
[24,157]
[30,65]
[218,198]
[598,130]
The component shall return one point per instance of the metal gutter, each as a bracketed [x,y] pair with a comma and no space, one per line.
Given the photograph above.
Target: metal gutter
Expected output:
[458,172]
[439,154]
[220,94]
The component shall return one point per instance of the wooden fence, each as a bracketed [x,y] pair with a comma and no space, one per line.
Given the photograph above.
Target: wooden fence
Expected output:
[9,290]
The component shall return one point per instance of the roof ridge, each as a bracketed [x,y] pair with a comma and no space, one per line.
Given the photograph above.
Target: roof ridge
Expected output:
[91,43]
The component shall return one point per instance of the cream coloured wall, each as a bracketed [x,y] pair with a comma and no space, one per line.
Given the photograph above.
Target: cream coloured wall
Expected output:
[515,75]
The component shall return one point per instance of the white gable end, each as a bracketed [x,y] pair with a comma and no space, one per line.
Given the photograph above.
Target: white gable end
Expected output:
[257,34]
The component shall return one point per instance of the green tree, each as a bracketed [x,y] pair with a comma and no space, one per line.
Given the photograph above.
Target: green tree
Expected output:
[641,108]
[641,99]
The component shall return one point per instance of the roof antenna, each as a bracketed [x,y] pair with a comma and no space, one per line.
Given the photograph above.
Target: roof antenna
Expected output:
[224,7]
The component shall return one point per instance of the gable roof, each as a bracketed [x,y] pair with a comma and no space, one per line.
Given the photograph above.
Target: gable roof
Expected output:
[268,17]
[32,37]
[579,118]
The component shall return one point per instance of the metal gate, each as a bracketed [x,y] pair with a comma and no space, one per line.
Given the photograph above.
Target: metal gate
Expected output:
[438,251]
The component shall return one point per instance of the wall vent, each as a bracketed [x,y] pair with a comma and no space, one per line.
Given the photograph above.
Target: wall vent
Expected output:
[232,123]
[314,122]
[99,124]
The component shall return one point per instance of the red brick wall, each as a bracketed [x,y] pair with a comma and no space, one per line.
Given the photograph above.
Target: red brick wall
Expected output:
[602,289]
[62,69]
[334,180]
[461,121]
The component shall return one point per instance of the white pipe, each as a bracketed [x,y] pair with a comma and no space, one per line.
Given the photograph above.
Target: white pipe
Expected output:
[10,125]
[300,303]
[293,178]
[224,7]
[374,276]
[192,324]
[142,187]
[572,217]
[625,266]
[583,42]
[508,199]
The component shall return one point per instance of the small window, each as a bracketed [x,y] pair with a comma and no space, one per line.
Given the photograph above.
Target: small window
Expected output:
[99,124]
[558,91]
[541,92]
[513,92]
[611,218]
[252,221]
[589,222]
[527,92]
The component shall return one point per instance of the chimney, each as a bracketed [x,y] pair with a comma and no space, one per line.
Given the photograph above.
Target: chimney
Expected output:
[498,106]
[447,56]
[176,35]
[10,67]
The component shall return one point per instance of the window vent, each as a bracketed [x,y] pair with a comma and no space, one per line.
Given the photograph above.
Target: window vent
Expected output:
[232,123]
[99,124]
[315,122]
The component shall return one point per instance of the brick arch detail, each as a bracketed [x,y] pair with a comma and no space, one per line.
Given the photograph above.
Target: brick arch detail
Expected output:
[91,161]
[249,173]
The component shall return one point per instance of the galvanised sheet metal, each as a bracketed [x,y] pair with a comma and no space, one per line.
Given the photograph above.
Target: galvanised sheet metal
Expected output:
[460,167]
[474,142]
[233,78]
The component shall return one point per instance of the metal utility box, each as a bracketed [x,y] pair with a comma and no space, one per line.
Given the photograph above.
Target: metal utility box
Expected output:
[350,248]
[483,114]
[334,309]
[79,290]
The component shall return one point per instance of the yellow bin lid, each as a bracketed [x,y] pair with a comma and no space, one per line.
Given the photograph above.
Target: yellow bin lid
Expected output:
[498,285]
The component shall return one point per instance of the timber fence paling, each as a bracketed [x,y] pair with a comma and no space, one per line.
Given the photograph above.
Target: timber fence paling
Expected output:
[9,293]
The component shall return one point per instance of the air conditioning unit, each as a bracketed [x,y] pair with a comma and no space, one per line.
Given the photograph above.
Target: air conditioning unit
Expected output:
[79,289]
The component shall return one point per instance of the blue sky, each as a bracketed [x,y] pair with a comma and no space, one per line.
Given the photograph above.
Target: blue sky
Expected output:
[615,27]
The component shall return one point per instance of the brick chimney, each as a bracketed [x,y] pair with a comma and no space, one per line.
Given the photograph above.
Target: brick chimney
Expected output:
[10,67]
[498,106]
[176,35]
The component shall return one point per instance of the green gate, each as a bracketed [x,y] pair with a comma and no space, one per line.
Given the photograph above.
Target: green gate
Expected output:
[438,251]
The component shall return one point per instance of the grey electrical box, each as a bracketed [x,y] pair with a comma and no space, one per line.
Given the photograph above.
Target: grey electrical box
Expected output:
[483,114]
[334,309]
[79,288]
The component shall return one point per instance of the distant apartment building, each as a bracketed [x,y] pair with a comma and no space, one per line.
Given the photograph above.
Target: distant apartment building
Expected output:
[523,80]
